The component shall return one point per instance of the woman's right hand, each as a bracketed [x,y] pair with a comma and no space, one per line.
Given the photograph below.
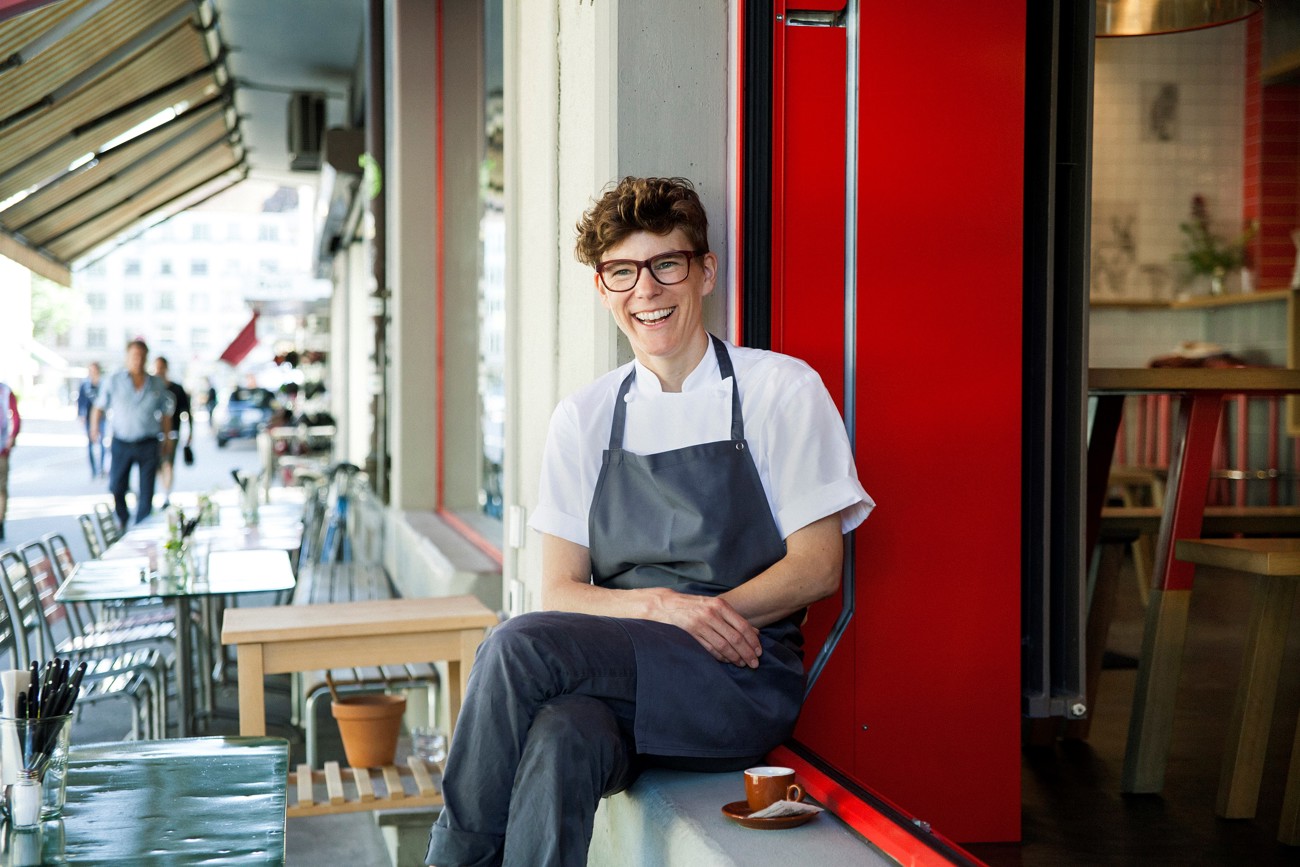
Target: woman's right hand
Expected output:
[711,620]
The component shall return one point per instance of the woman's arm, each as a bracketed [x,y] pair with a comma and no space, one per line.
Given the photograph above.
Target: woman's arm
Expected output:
[727,625]
[809,571]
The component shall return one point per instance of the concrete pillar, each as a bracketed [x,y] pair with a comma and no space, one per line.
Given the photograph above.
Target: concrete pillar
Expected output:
[593,92]
[410,183]
[462,143]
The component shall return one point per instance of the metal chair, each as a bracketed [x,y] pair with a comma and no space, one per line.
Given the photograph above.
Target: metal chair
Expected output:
[139,676]
[108,525]
[88,530]
[125,627]
[87,632]
[60,553]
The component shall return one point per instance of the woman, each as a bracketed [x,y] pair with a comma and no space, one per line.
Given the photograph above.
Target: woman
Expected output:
[692,504]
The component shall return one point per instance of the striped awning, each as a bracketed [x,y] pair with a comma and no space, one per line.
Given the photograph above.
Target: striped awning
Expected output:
[112,114]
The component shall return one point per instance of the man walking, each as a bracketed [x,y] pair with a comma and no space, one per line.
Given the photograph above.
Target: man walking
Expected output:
[141,408]
[10,422]
[86,395]
[180,407]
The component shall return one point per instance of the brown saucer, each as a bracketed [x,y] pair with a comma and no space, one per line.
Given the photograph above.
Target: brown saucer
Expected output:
[738,812]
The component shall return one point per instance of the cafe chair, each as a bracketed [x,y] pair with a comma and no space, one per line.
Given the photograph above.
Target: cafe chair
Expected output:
[91,534]
[139,676]
[87,633]
[108,525]
[60,553]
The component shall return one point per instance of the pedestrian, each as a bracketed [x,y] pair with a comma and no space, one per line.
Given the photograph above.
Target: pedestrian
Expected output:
[10,422]
[139,406]
[180,409]
[86,395]
[210,402]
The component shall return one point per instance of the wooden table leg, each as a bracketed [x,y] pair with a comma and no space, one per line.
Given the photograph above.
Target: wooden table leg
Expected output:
[1151,725]
[252,696]
[1252,713]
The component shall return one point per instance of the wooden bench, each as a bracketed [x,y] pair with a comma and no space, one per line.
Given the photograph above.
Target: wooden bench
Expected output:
[1276,563]
[284,639]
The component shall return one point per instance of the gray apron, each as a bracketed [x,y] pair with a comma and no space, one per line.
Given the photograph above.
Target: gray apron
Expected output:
[695,520]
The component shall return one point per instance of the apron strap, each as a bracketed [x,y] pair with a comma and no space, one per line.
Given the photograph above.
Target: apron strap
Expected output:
[725,370]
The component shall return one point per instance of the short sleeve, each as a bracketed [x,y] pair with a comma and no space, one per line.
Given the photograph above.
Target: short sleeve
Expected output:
[562,506]
[809,461]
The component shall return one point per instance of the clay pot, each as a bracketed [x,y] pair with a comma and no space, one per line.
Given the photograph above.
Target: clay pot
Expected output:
[369,725]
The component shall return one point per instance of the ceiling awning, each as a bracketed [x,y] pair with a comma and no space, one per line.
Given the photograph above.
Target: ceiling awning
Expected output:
[111,115]
[243,343]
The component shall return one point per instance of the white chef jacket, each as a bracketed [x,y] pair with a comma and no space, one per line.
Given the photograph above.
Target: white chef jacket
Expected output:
[796,437]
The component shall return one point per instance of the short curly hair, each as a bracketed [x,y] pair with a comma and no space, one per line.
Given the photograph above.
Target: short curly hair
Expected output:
[656,205]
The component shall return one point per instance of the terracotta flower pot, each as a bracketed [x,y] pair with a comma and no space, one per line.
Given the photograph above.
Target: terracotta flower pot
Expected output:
[369,725]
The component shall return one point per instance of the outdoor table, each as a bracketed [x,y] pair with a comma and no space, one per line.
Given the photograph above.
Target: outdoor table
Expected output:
[1201,392]
[334,635]
[198,800]
[228,572]
[279,526]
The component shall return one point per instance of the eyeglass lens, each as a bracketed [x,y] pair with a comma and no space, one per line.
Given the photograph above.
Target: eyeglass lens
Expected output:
[620,275]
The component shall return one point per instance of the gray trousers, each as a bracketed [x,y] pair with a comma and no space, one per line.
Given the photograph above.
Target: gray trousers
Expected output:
[544,733]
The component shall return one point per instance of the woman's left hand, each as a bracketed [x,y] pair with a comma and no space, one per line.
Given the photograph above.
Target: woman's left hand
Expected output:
[710,620]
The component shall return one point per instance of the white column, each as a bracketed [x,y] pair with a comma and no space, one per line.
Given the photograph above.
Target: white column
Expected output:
[593,92]
[410,185]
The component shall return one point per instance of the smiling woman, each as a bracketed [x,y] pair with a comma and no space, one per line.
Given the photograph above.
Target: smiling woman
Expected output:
[684,535]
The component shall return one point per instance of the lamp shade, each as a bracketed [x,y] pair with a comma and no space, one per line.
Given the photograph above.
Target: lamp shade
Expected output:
[1149,17]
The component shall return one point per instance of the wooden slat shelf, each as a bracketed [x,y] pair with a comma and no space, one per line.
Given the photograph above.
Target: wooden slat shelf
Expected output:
[352,790]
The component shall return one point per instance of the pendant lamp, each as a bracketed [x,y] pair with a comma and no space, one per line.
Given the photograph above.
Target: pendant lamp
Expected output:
[1149,17]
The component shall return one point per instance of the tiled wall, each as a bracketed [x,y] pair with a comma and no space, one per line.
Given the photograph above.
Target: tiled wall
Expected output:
[1168,125]
[1177,116]
[1124,337]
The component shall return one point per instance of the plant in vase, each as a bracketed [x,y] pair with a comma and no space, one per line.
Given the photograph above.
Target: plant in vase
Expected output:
[179,531]
[1206,254]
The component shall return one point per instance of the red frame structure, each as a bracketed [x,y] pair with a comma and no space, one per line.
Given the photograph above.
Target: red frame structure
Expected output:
[920,701]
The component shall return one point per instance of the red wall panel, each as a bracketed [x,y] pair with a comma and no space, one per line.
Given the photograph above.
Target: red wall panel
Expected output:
[921,702]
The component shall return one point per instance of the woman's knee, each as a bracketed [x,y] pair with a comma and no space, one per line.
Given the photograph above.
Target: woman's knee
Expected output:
[577,731]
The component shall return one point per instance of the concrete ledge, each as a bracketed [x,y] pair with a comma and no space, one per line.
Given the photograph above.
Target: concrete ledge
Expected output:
[675,818]
[426,557]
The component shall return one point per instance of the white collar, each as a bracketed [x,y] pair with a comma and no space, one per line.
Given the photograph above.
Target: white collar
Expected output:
[703,377]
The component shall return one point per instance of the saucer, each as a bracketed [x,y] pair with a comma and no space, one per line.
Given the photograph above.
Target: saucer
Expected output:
[738,812]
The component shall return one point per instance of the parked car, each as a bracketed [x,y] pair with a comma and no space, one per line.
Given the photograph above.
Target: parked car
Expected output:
[243,412]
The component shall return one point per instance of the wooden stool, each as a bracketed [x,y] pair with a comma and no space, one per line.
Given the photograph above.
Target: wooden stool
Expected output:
[1276,562]
[277,639]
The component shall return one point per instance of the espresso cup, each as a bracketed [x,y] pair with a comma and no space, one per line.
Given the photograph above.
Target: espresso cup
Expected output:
[764,786]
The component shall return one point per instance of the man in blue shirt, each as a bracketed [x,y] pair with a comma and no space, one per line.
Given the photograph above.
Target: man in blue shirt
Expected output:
[141,408]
